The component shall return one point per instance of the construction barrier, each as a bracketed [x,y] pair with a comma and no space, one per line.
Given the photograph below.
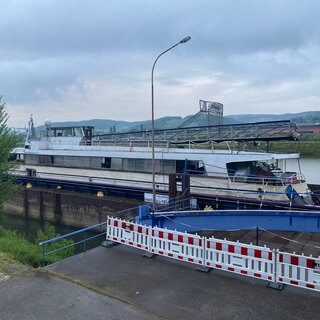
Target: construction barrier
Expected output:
[298,270]
[128,233]
[177,245]
[245,259]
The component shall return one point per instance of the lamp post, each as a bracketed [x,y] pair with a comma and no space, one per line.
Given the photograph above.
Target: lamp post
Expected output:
[184,40]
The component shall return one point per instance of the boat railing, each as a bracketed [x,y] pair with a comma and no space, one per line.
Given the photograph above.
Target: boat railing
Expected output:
[284,179]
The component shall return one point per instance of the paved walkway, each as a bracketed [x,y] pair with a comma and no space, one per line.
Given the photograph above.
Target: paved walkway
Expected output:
[127,285]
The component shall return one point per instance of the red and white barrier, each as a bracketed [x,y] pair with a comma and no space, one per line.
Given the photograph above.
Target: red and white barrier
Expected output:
[248,260]
[298,270]
[177,245]
[128,233]
[245,259]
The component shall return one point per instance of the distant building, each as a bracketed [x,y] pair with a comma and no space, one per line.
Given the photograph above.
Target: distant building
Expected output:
[309,129]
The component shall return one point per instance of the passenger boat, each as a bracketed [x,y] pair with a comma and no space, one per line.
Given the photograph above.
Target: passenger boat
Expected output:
[220,178]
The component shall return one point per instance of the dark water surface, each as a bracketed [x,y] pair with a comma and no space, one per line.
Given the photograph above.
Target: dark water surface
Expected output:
[28,228]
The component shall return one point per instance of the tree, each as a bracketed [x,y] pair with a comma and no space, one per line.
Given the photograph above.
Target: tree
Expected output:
[8,141]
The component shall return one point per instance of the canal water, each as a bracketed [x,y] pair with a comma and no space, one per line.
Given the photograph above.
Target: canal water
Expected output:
[310,168]
[28,228]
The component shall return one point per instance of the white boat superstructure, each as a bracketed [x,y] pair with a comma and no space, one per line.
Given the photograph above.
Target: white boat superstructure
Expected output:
[74,154]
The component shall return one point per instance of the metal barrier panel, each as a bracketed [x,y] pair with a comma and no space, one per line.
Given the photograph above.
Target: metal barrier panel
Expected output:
[245,259]
[177,245]
[298,270]
[128,233]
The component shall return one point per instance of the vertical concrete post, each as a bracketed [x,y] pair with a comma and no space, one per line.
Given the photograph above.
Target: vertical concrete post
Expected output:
[41,208]
[26,203]
[57,207]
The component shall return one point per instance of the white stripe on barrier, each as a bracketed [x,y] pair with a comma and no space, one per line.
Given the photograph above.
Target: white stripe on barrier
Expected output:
[128,233]
[177,245]
[240,258]
[298,270]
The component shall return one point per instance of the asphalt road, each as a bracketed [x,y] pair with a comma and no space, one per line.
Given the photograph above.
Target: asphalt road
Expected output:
[119,283]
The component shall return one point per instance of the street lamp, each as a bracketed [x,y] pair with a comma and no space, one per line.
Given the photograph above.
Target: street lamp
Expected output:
[184,40]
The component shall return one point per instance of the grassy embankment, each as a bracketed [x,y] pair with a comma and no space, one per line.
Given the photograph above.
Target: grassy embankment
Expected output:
[309,149]
[14,246]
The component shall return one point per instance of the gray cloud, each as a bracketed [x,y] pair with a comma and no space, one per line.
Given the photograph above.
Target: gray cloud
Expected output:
[57,57]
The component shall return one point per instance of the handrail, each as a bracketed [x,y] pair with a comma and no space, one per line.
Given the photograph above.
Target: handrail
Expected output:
[85,240]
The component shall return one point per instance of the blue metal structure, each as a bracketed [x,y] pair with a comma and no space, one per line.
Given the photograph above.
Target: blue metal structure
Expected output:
[192,221]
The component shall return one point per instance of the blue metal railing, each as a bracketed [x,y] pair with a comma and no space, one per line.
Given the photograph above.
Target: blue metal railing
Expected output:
[84,241]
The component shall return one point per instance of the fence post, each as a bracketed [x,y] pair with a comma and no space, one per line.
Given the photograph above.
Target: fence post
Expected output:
[204,267]
[43,254]
[275,284]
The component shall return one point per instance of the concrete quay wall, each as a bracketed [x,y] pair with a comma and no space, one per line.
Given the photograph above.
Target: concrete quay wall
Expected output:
[65,207]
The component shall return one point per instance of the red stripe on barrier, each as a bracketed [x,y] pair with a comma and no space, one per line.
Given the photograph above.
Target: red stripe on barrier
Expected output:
[131,227]
[170,236]
[280,279]
[139,229]
[208,244]
[310,286]
[200,242]
[280,257]
[190,240]
[115,223]
[244,251]
[231,248]
[270,256]
[294,260]
[170,254]
[190,259]
[160,252]
[208,264]
[257,253]
[295,283]
[243,271]
[257,275]
[114,238]
[123,225]
[311,264]
[219,266]
[180,257]
[230,269]
[139,245]
[270,278]
[180,238]
[122,241]
[219,246]
[160,235]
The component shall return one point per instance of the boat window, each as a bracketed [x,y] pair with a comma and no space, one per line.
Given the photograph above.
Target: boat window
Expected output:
[180,165]
[143,165]
[106,163]
[116,164]
[31,172]
[31,159]
[128,164]
[168,166]
[190,166]
[45,159]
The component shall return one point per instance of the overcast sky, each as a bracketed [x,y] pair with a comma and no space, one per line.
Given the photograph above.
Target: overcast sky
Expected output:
[87,59]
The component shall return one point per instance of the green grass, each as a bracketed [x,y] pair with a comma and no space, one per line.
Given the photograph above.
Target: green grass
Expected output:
[305,148]
[17,248]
